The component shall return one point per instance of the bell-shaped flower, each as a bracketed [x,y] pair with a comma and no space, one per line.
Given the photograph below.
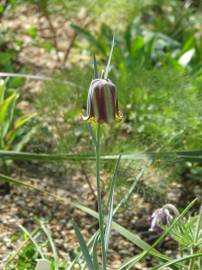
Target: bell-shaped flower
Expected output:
[162,217]
[102,102]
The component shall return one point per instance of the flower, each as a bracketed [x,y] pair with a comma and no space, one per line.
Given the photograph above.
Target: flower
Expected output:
[102,102]
[163,216]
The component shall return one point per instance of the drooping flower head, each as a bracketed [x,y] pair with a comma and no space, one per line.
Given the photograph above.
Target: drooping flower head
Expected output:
[102,102]
[163,216]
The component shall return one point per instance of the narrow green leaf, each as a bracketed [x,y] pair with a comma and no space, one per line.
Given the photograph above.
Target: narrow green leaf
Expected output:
[199,226]
[76,260]
[95,258]
[111,205]
[83,247]
[2,91]
[38,248]
[109,59]
[6,113]
[24,140]
[52,244]
[175,261]
[21,121]
[10,112]
[178,156]
[109,223]
[126,266]
[95,67]
[128,36]
[112,185]
[88,36]
[35,77]
[13,155]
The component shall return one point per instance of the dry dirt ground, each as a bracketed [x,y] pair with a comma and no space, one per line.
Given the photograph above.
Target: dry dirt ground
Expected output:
[25,207]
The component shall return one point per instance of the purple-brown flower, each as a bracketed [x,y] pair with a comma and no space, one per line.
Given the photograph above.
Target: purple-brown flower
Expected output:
[102,102]
[163,216]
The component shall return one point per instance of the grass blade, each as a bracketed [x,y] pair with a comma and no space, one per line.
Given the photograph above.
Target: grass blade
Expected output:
[88,36]
[25,139]
[109,223]
[95,67]
[34,77]
[6,113]
[173,262]
[192,156]
[2,91]
[83,247]
[111,189]
[52,244]
[109,59]
[38,248]
[111,205]
[70,267]
[95,259]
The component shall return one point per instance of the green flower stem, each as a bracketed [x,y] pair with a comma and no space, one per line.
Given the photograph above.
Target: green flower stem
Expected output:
[99,196]
[194,248]
[192,262]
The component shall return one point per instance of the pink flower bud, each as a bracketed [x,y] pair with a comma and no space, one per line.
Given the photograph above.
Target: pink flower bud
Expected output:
[102,102]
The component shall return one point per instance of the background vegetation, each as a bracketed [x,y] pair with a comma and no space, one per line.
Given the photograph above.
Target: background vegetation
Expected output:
[46,64]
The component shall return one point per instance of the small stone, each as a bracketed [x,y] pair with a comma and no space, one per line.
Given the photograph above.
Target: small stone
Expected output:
[43,264]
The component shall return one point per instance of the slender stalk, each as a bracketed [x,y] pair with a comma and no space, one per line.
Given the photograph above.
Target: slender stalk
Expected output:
[192,261]
[194,247]
[99,196]
[199,224]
